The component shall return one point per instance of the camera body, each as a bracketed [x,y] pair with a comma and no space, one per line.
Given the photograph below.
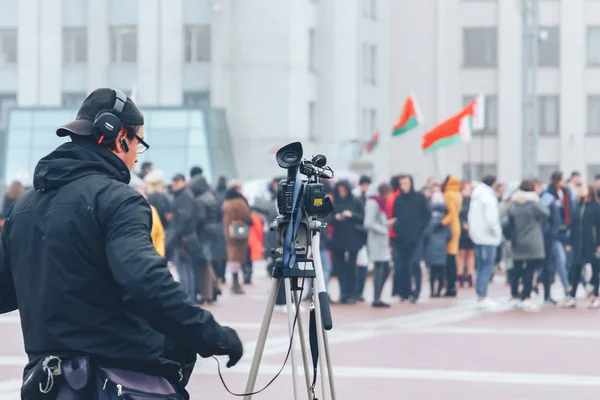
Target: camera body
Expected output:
[312,194]
[298,201]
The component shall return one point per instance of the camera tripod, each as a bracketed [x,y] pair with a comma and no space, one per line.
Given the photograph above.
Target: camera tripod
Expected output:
[290,278]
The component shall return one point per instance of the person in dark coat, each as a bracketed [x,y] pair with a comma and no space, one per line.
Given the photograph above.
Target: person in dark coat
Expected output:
[219,248]
[236,212]
[584,242]
[412,215]
[182,226]
[346,238]
[435,240]
[207,231]
[81,243]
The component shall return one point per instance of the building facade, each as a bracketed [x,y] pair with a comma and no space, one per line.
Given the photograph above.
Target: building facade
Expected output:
[308,70]
[446,51]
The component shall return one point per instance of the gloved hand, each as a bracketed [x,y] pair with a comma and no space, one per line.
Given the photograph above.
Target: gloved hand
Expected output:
[233,347]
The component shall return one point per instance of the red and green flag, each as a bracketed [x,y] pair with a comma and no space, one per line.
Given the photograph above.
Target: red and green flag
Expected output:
[373,142]
[410,117]
[456,129]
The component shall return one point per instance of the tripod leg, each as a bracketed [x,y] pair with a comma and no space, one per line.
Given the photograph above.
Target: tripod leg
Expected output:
[303,347]
[262,337]
[291,314]
[329,368]
[322,352]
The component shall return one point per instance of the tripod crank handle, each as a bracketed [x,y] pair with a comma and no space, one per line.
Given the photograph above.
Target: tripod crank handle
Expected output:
[325,311]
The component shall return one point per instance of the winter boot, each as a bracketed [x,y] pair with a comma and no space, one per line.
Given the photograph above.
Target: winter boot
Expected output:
[461,281]
[235,285]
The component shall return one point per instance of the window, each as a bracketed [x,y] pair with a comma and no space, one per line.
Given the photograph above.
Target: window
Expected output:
[7,101]
[196,99]
[491,115]
[373,64]
[549,115]
[73,99]
[546,170]
[123,44]
[593,46]
[593,115]
[372,122]
[475,171]
[312,117]
[74,45]
[197,43]
[8,46]
[480,47]
[549,47]
[311,50]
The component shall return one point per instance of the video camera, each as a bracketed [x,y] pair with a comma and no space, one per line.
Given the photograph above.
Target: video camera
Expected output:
[312,193]
[298,201]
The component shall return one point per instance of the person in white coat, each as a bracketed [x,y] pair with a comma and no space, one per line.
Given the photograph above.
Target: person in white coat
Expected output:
[485,230]
[378,240]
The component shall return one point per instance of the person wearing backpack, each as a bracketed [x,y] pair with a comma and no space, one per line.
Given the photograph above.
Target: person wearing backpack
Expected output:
[486,232]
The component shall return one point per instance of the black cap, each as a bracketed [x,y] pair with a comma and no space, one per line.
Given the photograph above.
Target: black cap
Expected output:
[97,101]
[196,170]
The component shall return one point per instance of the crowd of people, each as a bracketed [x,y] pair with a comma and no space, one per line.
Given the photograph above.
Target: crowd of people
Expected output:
[461,233]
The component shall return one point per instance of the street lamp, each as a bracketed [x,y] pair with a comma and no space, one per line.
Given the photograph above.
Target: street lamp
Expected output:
[531,38]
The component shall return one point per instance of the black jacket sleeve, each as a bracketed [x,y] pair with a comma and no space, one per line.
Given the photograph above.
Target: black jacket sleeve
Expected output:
[184,221]
[425,213]
[8,296]
[147,287]
[358,213]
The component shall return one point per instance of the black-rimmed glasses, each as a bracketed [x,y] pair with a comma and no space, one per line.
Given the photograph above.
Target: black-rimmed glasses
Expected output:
[142,146]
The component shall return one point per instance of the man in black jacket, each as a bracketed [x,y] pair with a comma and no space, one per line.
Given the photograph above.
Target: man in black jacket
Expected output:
[412,215]
[77,259]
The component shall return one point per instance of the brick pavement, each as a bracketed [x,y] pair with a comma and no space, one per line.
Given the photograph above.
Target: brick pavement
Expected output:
[438,349]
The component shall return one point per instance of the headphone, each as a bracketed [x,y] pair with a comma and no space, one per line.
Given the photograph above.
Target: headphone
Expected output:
[107,124]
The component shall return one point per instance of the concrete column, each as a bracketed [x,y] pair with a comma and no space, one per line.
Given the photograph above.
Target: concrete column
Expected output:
[170,46]
[149,22]
[573,101]
[509,91]
[28,42]
[50,53]
[98,44]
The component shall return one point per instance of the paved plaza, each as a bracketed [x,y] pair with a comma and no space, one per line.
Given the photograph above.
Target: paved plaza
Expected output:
[437,349]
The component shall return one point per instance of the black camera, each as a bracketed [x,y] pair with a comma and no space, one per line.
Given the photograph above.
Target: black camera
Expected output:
[310,193]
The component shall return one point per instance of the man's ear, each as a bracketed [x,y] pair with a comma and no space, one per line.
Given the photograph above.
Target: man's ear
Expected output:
[121,142]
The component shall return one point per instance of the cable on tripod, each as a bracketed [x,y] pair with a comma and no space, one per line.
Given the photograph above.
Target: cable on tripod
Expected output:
[289,258]
[289,350]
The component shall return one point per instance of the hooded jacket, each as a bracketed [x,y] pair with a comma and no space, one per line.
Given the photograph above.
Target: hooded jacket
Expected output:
[207,227]
[348,234]
[436,238]
[453,199]
[484,216]
[81,243]
[528,216]
[412,214]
